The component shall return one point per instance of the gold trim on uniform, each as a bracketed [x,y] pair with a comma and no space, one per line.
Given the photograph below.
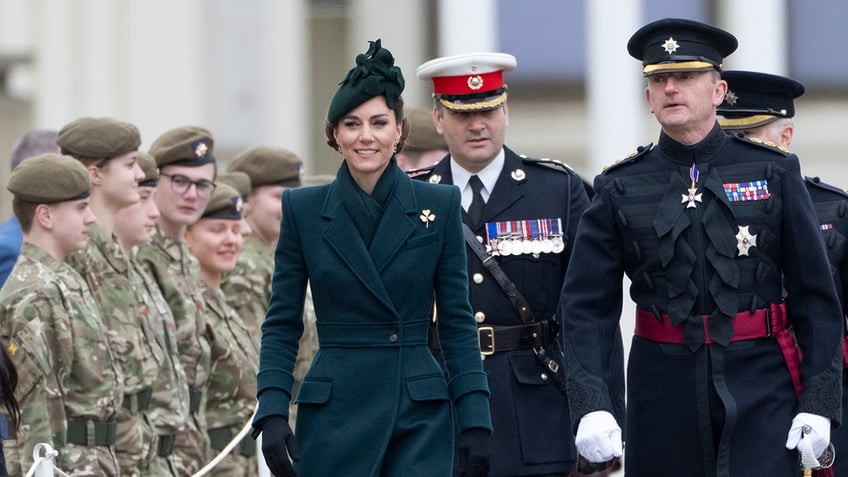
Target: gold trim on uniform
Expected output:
[478,106]
[674,66]
[752,121]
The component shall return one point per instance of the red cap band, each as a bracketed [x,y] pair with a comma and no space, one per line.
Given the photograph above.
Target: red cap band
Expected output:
[469,83]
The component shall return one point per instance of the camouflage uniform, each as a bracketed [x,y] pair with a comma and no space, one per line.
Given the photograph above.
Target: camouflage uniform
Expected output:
[248,286]
[170,400]
[67,373]
[175,271]
[140,355]
[232,385]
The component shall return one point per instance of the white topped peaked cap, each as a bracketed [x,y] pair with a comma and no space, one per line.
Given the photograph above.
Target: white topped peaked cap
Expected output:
[469,82]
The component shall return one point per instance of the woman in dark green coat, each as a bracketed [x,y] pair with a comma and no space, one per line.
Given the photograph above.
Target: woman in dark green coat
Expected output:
[377,249]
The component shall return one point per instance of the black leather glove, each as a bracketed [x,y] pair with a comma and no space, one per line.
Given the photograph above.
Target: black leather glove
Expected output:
[474,452]
[278,443]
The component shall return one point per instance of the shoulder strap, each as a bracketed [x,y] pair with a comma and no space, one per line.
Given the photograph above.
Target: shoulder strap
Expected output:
[490,264]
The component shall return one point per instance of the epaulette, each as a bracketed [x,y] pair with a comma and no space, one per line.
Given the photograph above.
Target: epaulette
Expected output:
[421,171]
[816,182]
[631,158]
[767,145]
[549,163]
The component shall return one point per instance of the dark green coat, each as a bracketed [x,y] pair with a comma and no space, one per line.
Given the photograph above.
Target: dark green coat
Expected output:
[375,401]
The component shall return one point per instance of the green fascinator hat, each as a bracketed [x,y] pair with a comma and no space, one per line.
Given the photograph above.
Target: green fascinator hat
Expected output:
[375,74]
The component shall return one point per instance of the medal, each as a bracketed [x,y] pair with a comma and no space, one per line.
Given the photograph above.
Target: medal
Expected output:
[693,195]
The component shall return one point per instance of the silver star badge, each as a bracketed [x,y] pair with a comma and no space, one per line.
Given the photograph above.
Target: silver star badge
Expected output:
[730,98]
[692,197]
[744,240]
[670,45]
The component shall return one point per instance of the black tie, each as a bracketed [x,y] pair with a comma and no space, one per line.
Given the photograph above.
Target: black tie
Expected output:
[476,207]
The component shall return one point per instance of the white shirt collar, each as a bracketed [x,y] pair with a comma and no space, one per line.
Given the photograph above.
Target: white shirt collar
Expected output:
[488,176]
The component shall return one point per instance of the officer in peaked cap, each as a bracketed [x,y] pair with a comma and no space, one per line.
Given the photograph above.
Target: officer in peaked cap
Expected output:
[761,106]
[756,99]
[523,212]
[674,45]
[713,231]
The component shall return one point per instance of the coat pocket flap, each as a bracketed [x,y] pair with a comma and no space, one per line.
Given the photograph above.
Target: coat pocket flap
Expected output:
[427,388]
[314,392]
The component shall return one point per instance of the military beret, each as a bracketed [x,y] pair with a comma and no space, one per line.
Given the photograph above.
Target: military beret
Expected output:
[49,178]
[756,99]
[98,138]
[674,44]
[267,165]
[375,74]
[151,172]
[184,146]
[225,203]
[237,180]
[469,82]
[422,132]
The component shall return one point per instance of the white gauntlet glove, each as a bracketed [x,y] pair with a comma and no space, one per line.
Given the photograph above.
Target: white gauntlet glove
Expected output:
[598,437]
[810,434]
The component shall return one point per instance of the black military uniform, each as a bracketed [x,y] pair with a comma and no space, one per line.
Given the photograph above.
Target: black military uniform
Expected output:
[706,233]
[528,225]
[753,102]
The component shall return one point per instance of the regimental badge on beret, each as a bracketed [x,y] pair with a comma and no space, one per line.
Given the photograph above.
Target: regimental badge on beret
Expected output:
[200,149]
[184,146]
[225,203]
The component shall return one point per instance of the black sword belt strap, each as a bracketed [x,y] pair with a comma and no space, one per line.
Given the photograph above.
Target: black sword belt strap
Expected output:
[518,301]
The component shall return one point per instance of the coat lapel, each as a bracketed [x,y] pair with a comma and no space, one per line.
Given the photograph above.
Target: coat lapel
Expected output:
[397,224]
[341,235]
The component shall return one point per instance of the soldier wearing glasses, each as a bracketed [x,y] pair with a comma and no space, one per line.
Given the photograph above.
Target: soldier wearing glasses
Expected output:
[187,173]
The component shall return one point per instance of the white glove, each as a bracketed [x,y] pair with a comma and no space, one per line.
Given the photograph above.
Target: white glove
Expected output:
[598,437]
[818,435]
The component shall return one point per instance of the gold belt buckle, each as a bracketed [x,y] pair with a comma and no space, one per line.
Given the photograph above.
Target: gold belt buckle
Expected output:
[491,348]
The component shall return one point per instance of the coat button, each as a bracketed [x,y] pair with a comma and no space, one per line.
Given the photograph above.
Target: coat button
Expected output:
[393,337]
[544,376]
[479,317]
[478,278]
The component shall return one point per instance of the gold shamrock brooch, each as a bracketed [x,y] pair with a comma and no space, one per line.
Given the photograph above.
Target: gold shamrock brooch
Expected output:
[427,217]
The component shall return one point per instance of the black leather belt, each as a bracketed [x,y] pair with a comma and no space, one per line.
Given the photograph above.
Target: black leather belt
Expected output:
[139,401]
[221,436]
[166,445]
[194,397]
[495,339]
[102,432]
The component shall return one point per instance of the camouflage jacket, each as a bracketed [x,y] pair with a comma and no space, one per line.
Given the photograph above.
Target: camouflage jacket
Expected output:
[248,286]
[235,361]
[176,273]
[66,368]
[136,344]
[170,399]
